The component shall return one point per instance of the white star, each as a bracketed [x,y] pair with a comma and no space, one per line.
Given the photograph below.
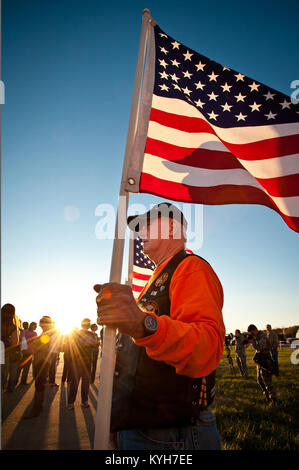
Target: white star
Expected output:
[176,45]
[176,87]
[226,68]
[212,96]
[200,66]
[163,74]
[240,97]
[163,63]
[269,96]
[163,50]
[199,85]
[254,87]
[285,104]
[226,107]
[213,77]
[175,63]
[188,55]
[241,117]
[226,87]
[187,74]
[164,87]
[199,103]
[255,107]
[163,35]
[213,115]
[270,115]
[174,78]
[185,90]
[239,76]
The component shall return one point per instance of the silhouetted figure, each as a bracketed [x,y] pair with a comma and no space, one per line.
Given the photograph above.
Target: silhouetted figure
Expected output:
[81,346]
[95,352]
[41,364]
[10,336]
[27,337]
[66,374]
[55,346]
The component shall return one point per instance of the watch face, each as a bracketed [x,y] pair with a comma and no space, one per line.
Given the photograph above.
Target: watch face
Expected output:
[150,323]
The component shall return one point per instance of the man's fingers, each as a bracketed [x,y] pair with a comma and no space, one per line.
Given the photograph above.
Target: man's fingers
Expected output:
[97,287]
[112,286]
[117,299]
[108,308]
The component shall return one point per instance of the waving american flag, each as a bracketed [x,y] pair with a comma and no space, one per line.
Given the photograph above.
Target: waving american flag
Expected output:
[142,268]
[209,134]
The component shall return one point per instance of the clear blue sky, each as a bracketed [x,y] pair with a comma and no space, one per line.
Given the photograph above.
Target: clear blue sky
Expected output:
[68,68]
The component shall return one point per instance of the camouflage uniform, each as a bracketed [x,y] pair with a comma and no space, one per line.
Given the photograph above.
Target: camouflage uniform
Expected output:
[274,343]
[241,355]
[264,378]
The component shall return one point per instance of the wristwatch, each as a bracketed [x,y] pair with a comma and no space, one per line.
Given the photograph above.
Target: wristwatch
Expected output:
[150,324]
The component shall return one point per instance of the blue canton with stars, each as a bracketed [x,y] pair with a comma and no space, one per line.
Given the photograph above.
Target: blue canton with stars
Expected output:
[140,259]
[225,97]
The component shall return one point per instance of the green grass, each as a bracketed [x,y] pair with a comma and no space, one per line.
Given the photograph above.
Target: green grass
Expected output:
[244,420]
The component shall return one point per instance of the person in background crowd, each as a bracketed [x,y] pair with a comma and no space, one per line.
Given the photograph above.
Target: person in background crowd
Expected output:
[10,330]
[240,344]
[101,340]
[41,364]
[95,353]
[54,352]
[81,346]
[26,344]
[274,343]
[261,344]
[66,374]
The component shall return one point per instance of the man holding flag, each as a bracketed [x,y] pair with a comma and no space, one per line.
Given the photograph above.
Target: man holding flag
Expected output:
[199,132]
[172,342]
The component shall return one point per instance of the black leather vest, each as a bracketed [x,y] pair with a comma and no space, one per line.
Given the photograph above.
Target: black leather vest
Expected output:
[149,393]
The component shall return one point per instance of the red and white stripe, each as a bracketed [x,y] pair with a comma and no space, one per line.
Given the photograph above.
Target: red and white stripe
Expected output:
[189,159]
[140,277]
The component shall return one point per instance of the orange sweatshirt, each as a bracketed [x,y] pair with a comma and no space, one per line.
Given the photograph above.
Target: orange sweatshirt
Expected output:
[191,338]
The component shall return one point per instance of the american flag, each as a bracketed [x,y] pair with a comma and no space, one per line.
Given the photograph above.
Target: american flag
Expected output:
[143,267]
[216,136]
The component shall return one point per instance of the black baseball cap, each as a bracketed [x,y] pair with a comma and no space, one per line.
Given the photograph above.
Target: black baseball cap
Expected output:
[164,209]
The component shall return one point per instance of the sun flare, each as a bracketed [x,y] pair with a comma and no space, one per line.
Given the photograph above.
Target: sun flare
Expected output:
[64,326]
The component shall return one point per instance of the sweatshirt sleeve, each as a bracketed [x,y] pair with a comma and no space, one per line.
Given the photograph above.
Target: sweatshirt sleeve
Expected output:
[191,338]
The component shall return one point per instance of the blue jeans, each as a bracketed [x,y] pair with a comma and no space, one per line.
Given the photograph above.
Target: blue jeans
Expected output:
[201,436]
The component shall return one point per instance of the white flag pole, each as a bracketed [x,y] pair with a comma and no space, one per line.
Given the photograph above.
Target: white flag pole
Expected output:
[102,425]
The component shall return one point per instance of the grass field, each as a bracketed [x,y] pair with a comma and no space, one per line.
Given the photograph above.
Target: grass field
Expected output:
[244,420]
